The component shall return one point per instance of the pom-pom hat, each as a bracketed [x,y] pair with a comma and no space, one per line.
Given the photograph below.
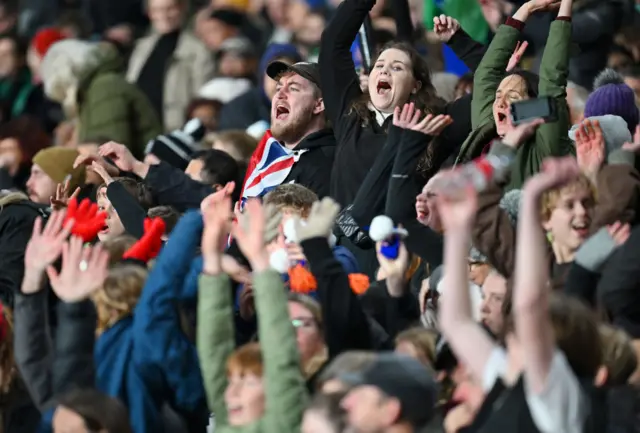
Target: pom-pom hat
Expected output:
[612,96]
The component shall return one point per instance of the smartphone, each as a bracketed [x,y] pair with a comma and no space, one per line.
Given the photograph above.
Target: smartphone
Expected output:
[537,108]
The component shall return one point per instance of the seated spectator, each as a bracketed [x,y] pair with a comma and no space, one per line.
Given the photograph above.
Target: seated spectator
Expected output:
[236,58]
[207,110]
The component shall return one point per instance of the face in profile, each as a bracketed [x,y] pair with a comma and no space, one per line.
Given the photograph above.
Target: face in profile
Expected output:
[40,187]
[113,224]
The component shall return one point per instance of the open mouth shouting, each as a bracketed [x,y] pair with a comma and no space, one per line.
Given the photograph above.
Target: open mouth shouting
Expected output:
[581,229]
[383,87]
[282,112]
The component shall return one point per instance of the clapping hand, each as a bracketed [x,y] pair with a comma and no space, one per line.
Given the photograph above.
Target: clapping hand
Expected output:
[249,233]
[458,211]
[84,269]
[217,216]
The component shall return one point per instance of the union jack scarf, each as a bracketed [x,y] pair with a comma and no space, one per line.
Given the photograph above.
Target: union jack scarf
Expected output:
[269,166]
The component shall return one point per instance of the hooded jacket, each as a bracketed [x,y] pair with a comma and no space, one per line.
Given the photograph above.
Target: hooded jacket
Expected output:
[254,106]
[110,106]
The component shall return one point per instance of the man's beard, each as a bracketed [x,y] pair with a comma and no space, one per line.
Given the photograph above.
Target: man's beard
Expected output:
[294,129]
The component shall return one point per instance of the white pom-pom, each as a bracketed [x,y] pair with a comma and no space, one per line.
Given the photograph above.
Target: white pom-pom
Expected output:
[279,261]
[289,230]
[381,228]
[332,240]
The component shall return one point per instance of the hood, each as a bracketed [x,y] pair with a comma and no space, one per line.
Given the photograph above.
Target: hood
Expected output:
[614,129]
[318,139]
[107,59]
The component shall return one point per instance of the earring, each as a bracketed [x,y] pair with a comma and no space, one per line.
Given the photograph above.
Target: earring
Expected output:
[550,237]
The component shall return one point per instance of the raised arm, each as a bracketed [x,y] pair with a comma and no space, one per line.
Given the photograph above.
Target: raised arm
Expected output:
[285,388]
[469,341]
[531,286]
[340,83]
[552,138]
[161,349]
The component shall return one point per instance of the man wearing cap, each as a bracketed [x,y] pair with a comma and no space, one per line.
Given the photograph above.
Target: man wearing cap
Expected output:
[394,393]
[298,122]
[52,166]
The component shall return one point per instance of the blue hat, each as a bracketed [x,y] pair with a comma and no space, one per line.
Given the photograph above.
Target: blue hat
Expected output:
[612,96]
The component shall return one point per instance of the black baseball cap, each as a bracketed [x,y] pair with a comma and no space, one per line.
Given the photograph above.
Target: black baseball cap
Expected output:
[404,378]
[308,70]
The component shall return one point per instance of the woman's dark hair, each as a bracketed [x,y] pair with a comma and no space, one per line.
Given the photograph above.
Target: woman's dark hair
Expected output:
[98,410]
[29,133]
[425,98]
[531,80]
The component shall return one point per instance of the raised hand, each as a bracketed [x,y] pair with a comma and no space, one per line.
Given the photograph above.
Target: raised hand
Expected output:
[515,58]
[320,222]
[88,222]
[45,245]
[590,147]
[249,233]
[217,216]
[226,191]
[84,269]
[445,27]
[543,5]
[101,171]
[149,245]
[619,232]
[516,135]
[394,270]
[409,118]
[119,154]
[457,212]
[555,172]
[62,197]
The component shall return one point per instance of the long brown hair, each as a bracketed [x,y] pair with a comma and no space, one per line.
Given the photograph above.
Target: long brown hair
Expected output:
[425,98]
[7,361]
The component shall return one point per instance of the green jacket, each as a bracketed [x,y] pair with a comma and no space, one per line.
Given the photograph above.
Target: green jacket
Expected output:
[285,389]
[551,139]
[109,106]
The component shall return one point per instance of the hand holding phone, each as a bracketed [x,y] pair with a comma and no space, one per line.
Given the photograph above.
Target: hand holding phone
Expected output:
[536,108]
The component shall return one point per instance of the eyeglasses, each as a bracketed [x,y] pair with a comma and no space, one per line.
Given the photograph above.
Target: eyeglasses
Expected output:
[303,322]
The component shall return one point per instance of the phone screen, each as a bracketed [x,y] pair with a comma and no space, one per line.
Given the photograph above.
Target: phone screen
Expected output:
[527,110]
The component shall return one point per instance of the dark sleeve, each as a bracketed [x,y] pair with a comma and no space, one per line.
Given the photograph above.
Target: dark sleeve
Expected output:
[370,199]
[402,14]
[129,210]
[15,232]
[618,287]
[582,283]
[172,187]
[402,195]
[618,187]
[346,325]
[451,139]
[400,312]
[467,49]
[73,365]
[32,346]
[593,23]
[339,81]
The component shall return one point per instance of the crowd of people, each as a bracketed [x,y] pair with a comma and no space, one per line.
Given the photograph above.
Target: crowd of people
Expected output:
[319,216]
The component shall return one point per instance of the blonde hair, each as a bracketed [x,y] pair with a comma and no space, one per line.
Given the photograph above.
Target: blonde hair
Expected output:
[549,199]
[119,294]
[316,362]
[116,247]
[617,354]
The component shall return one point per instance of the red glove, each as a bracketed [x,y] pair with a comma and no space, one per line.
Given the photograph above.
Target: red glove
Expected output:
[150,244]
[88,221]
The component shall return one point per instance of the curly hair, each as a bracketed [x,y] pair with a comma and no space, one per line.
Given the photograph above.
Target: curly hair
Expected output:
[119,294]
